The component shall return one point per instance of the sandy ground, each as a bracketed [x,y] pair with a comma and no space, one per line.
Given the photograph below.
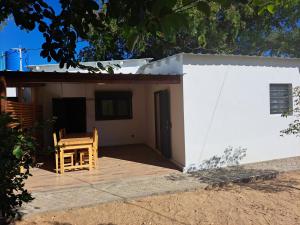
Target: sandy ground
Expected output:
[266,202]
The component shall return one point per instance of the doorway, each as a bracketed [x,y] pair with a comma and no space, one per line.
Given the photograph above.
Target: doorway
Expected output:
[163,122]
[70,113]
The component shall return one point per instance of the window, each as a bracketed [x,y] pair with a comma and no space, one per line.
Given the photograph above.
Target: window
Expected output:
[113,105]
[281,99]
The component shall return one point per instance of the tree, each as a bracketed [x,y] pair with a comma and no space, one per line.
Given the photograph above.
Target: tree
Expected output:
[136,20]
[237,28]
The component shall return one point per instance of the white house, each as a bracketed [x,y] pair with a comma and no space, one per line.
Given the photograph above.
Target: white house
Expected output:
[212,102]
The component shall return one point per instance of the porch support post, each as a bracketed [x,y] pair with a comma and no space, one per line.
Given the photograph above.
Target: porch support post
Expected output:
[2,94]
[33,102]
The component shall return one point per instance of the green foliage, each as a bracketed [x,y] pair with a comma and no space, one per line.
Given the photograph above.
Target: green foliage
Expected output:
[149,27]
[16,151]
[229,27]
[294,126]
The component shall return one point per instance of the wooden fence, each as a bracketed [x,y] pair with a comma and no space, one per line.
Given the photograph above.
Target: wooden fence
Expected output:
[25,114]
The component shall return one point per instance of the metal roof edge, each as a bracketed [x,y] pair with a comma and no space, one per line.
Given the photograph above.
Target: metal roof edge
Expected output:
[90,62]
[242,56]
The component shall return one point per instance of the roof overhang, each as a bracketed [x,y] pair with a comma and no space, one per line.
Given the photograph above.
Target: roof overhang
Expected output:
[25,79]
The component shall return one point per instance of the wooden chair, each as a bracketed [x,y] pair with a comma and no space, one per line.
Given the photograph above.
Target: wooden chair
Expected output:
[62,133]
[67,155]
[84,154]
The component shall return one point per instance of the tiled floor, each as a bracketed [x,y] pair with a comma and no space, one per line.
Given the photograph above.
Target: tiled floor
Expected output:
[114,163]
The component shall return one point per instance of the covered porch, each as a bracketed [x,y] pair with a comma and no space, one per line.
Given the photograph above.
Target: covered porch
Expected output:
[114,163]
[128,146]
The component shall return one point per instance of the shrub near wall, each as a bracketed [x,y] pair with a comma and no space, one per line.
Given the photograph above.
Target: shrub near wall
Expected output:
[16,150]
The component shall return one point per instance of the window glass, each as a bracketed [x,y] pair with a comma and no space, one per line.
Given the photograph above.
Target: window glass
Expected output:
[122,107]
[107,107]
[281,99]
[113,105]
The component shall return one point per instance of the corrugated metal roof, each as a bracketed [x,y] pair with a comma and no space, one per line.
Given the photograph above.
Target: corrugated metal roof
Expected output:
[23,77]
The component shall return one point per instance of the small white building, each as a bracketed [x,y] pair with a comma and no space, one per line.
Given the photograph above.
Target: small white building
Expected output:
[215,101]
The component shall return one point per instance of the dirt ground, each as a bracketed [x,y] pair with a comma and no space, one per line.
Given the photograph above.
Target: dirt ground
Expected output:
[266,202]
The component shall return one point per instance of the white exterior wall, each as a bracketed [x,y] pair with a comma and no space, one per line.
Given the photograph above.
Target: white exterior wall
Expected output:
[177,129]
[226,103]
[112,132]
[169,65]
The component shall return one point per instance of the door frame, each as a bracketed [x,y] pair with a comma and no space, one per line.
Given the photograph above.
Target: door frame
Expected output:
[163,132]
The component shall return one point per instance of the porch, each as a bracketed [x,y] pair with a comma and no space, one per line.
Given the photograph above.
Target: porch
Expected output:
[114,163]
[136,130]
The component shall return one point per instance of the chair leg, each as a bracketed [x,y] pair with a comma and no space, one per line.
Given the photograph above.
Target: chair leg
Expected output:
[81,158]
[95,157]
[72,160]
[56,161]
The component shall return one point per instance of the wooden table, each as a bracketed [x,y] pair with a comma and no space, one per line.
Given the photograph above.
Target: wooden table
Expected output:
[73,142]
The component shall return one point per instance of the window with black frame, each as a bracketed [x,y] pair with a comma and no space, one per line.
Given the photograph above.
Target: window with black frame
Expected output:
[281,99]
[113,105]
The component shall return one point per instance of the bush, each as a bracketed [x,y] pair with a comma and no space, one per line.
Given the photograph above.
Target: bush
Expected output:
[16,150]
[294,127]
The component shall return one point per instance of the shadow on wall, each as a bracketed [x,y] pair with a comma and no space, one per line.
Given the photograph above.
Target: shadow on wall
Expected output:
[231,157]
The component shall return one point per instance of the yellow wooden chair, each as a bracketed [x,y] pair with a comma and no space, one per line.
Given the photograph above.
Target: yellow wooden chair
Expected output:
[62,133]
[68,156]
[84,153]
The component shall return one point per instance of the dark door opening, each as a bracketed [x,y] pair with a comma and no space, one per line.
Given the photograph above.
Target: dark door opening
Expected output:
[163,122]
[70,113]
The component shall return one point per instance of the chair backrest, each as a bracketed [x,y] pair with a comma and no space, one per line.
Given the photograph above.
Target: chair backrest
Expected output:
[95,138]
[62,133]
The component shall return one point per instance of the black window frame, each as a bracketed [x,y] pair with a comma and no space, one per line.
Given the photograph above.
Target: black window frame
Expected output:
[289,97]
[115,96]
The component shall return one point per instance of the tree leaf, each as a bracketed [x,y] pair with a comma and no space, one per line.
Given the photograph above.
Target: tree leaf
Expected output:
[271,8]
[204,7]
[17,152]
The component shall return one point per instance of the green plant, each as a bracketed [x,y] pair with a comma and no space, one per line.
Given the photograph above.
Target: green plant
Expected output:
[294,126]
[16,150]
[133,20]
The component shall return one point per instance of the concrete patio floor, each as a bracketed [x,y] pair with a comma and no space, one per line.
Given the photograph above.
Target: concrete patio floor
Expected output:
[130,176]
[114,163]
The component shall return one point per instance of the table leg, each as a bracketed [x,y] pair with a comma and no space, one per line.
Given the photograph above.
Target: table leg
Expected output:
[62,163]
[90,157]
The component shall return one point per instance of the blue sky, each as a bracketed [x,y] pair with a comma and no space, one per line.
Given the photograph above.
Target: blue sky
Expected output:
[13,37]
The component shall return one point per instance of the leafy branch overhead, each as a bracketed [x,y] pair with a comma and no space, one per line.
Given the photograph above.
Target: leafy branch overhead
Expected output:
[134,20]
[231,28]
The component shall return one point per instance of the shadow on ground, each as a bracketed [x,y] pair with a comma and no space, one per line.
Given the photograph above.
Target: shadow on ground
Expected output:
[273,186]
[256,179]
[65,223]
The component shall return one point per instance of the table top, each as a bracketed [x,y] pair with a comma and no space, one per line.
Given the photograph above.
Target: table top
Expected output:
[76,139]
